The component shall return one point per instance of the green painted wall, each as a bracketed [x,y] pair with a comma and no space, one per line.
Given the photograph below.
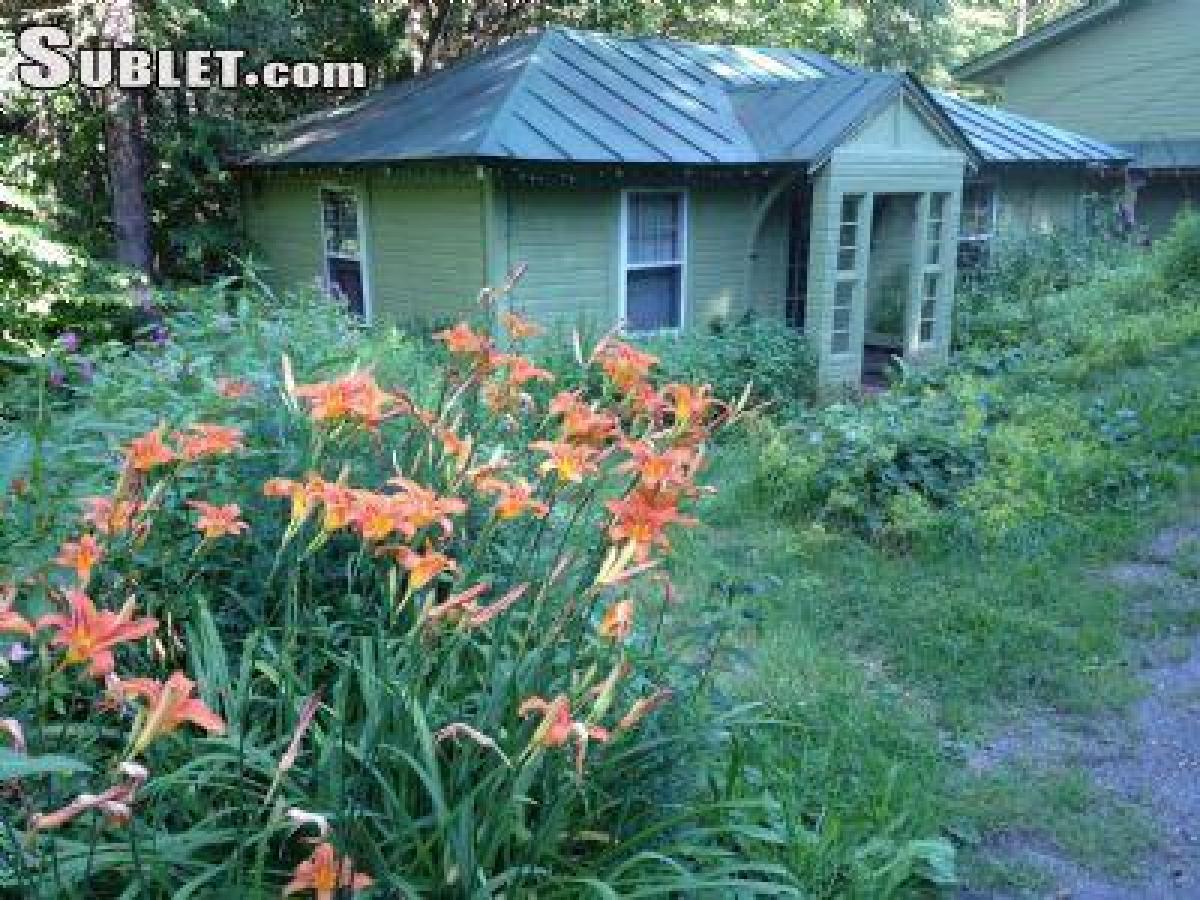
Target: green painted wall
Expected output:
[1041,202]
[1133,77]
[424,242]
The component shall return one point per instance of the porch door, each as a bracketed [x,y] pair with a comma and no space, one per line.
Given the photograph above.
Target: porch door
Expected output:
[799,230]
[341,224]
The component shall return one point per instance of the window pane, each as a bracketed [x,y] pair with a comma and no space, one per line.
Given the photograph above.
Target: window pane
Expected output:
[849,235]
[841,318]
[843,294]
[654,227]
[339,211]
[932,283]
[846,260]
[652,299]
[926,331]
[840,342]
[937,205]
[345,283]
[850,207]
[934,256]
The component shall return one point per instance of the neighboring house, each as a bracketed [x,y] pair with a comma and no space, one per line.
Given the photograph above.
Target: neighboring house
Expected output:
[1126,72]
[666,184]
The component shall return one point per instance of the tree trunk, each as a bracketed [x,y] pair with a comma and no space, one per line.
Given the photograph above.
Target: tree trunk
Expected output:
[122,137]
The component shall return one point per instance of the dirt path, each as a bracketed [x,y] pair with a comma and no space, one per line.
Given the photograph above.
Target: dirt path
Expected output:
[1151,758]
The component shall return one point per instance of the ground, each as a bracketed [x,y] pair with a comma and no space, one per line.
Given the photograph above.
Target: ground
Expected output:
[1147,760]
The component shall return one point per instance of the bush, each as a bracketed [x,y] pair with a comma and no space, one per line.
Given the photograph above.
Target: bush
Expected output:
[1176,257]
[427,626]
[48,288]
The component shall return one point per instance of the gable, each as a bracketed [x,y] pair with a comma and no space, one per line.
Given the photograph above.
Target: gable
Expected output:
[899,128]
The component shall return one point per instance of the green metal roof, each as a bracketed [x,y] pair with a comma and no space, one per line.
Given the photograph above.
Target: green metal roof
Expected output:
[565,96]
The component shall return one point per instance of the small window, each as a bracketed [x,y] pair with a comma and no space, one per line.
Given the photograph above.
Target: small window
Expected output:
[654,260]
[343,248]
[847,276]
[929,297]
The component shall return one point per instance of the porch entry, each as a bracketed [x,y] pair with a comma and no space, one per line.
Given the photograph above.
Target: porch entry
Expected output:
[889,285]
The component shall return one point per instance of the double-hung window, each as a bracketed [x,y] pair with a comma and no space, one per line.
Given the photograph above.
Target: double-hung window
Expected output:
[933,274]
[978,224]
[848,273]
[341,228]
[655,242]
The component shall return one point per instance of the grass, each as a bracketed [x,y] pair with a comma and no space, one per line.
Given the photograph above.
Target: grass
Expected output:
[877,669]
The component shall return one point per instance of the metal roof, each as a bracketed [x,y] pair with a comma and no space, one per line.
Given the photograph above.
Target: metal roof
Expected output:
[1002,137]
[567,96]
[1164,153]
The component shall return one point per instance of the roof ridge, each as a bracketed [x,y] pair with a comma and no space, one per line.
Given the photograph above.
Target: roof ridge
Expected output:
[540,36]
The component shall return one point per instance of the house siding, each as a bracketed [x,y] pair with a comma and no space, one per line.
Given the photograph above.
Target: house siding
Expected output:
[1032,203]
[424,241]
[1133,77]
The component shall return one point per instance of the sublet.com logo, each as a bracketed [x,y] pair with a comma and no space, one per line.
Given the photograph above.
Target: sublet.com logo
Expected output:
[48,60]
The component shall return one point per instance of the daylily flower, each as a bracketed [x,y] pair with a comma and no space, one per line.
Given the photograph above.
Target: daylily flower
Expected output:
[82,556]
[569,462]
[673,468]
[519,328]
[462,341]
[203,440]
[325,872]
[616,568]
[520,370]
[464,608]
[234,388]
[299,493]
[339,503]
[116,803]
[643,516]
[459,448]
[109,516]
[423,507]
[89,635]
[169,704]
[617,623]
[581,424]
[689,403]
[422,567]
[514,499]
[149,451]
[355,397]
[218,521]
[643,707]
[625,366]
[558,727]
[377,517]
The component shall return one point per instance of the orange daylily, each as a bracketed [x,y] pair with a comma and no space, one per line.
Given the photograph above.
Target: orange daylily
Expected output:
[325,873]
[689,403]
[643,516]
[581,424]
[464,608]
[377,516]
[643,707]
[149,451]
[82,556]
[520,370]
[570,462]
[339,502]
[423,507]
[617,623]
[203,440]
[463,341]
[116,803]
[169,705]
[422,567]
[514,499]
[625,366]
[90,634]
[110,516]
[355,397]
[557,726]
[300,493]
[519,328]
[672,468]
[218,521]
[459,448]
[234,388]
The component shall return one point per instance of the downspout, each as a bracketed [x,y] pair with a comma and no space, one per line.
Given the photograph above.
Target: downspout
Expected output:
[760,216]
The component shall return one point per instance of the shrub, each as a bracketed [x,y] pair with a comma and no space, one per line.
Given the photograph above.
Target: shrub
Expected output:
[48,288]
[1176,257]
[427,626]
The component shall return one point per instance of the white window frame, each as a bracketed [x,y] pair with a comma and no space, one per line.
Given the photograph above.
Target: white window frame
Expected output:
[854,276]
[939,270]
[625,266]
[363,259]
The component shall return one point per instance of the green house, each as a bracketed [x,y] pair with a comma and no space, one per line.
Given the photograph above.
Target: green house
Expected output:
[662,184]
[1126,71]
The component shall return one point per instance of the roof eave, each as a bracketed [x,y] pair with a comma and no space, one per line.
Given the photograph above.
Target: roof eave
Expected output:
[981,68]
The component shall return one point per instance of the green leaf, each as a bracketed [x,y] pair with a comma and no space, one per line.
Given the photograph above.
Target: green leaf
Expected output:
[17,765]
